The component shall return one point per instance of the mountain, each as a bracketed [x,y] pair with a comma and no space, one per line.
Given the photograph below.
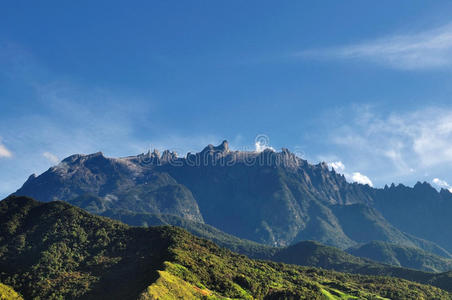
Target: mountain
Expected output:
[421,211]
[78,177]
[269,197]
[403,256]
[55,250]
[363,223]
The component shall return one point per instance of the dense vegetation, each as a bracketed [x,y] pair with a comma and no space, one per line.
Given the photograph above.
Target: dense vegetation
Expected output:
[7,293]
[57,251]
[306,253]
[311,253]
[222,239]
[399,255]
[217,270]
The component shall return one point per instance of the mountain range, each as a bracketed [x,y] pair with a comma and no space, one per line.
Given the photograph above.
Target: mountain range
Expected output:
[272,198]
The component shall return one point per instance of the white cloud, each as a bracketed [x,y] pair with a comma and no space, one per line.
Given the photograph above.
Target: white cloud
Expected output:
[51,157]
[4,152]
[338,166]
[361,178]
[396,146]
[442,184]
[354,177]
[426,134]
[422,50]
[259,146]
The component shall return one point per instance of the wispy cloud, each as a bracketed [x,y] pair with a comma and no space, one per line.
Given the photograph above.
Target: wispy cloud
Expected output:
[399,145]
[428,49]
[4,152]
[52,158]
[59,117]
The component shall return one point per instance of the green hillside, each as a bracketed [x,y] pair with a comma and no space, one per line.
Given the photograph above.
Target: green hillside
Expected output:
[7,293]
[305,253]
[310,253]
[403,256]
[218,272]
[54,250]
[222,239]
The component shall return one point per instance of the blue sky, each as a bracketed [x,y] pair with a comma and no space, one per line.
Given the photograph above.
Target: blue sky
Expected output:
[365,86]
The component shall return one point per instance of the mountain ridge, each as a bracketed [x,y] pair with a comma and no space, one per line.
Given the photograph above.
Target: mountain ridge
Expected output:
[270,197]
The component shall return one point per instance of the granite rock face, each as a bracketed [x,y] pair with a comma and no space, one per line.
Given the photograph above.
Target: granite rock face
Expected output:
[99,184]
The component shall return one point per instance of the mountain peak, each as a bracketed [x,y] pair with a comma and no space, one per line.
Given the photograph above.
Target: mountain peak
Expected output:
[423,185]
[223,147]
[76,157]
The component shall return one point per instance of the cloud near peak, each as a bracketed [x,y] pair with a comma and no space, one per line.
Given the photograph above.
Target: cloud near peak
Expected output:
[339,167]
[259,147]
[51,157]
[442,184]
[361,178]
